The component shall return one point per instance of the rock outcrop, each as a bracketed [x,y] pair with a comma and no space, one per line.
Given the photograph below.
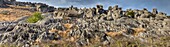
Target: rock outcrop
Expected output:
[88,26]
[39,6]
[3,4]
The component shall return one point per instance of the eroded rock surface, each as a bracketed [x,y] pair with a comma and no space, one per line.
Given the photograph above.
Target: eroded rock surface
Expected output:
[88,26]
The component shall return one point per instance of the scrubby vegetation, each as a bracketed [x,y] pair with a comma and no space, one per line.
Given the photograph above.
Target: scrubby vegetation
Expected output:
[89,27]
[130,13]
[36,17]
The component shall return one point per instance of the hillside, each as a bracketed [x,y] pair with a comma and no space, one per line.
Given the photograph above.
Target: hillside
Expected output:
[41,25]
[13,13]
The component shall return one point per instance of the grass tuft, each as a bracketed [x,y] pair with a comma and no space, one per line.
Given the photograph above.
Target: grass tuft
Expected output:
[36,17]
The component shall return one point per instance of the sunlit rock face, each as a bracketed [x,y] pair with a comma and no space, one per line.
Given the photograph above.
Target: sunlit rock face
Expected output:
[134,4]
[86,26]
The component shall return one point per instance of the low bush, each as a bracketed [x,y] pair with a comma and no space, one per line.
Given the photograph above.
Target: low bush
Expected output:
[130,13]
[35,17]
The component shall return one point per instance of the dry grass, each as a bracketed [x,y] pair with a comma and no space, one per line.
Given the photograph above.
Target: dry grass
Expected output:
[53,30]
[38,41]
[135,30]
[138,30]
[61,33]
[95,42]
[64,33]
[14,13]
[68,26]
[113,34]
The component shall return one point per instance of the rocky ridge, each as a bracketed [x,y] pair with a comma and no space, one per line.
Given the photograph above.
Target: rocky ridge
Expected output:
[89,26]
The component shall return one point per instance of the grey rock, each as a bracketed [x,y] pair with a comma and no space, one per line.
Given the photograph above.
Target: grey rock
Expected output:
[115,7]
[33,9]
[89,13]
[21,19]
[154,11]
[87,23]
[2,4]
[45,21]
[73,13]
[59,14]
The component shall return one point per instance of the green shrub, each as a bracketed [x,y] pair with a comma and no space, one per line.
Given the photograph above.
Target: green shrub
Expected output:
[130,13]
[36,17]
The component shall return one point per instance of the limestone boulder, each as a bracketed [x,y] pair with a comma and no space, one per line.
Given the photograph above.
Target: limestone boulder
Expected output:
[59,14]
[74,13]
[89,13]
[154,11]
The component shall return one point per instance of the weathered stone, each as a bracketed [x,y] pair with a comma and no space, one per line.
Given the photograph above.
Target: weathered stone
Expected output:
[100,9]
[89,13]
[99,6]
[154,11]
[2,4]
[41,7]
[45,21]
[51,9]
[115,7]
[73,13]
[11,2]
[84,26]
[60,14]
[144,9]
[21,19]
[33,9]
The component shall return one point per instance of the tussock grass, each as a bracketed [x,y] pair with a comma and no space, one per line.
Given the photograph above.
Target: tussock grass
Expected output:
[36,17]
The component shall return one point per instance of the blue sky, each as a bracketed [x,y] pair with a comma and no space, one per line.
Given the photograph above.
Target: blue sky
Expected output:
[161,5]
